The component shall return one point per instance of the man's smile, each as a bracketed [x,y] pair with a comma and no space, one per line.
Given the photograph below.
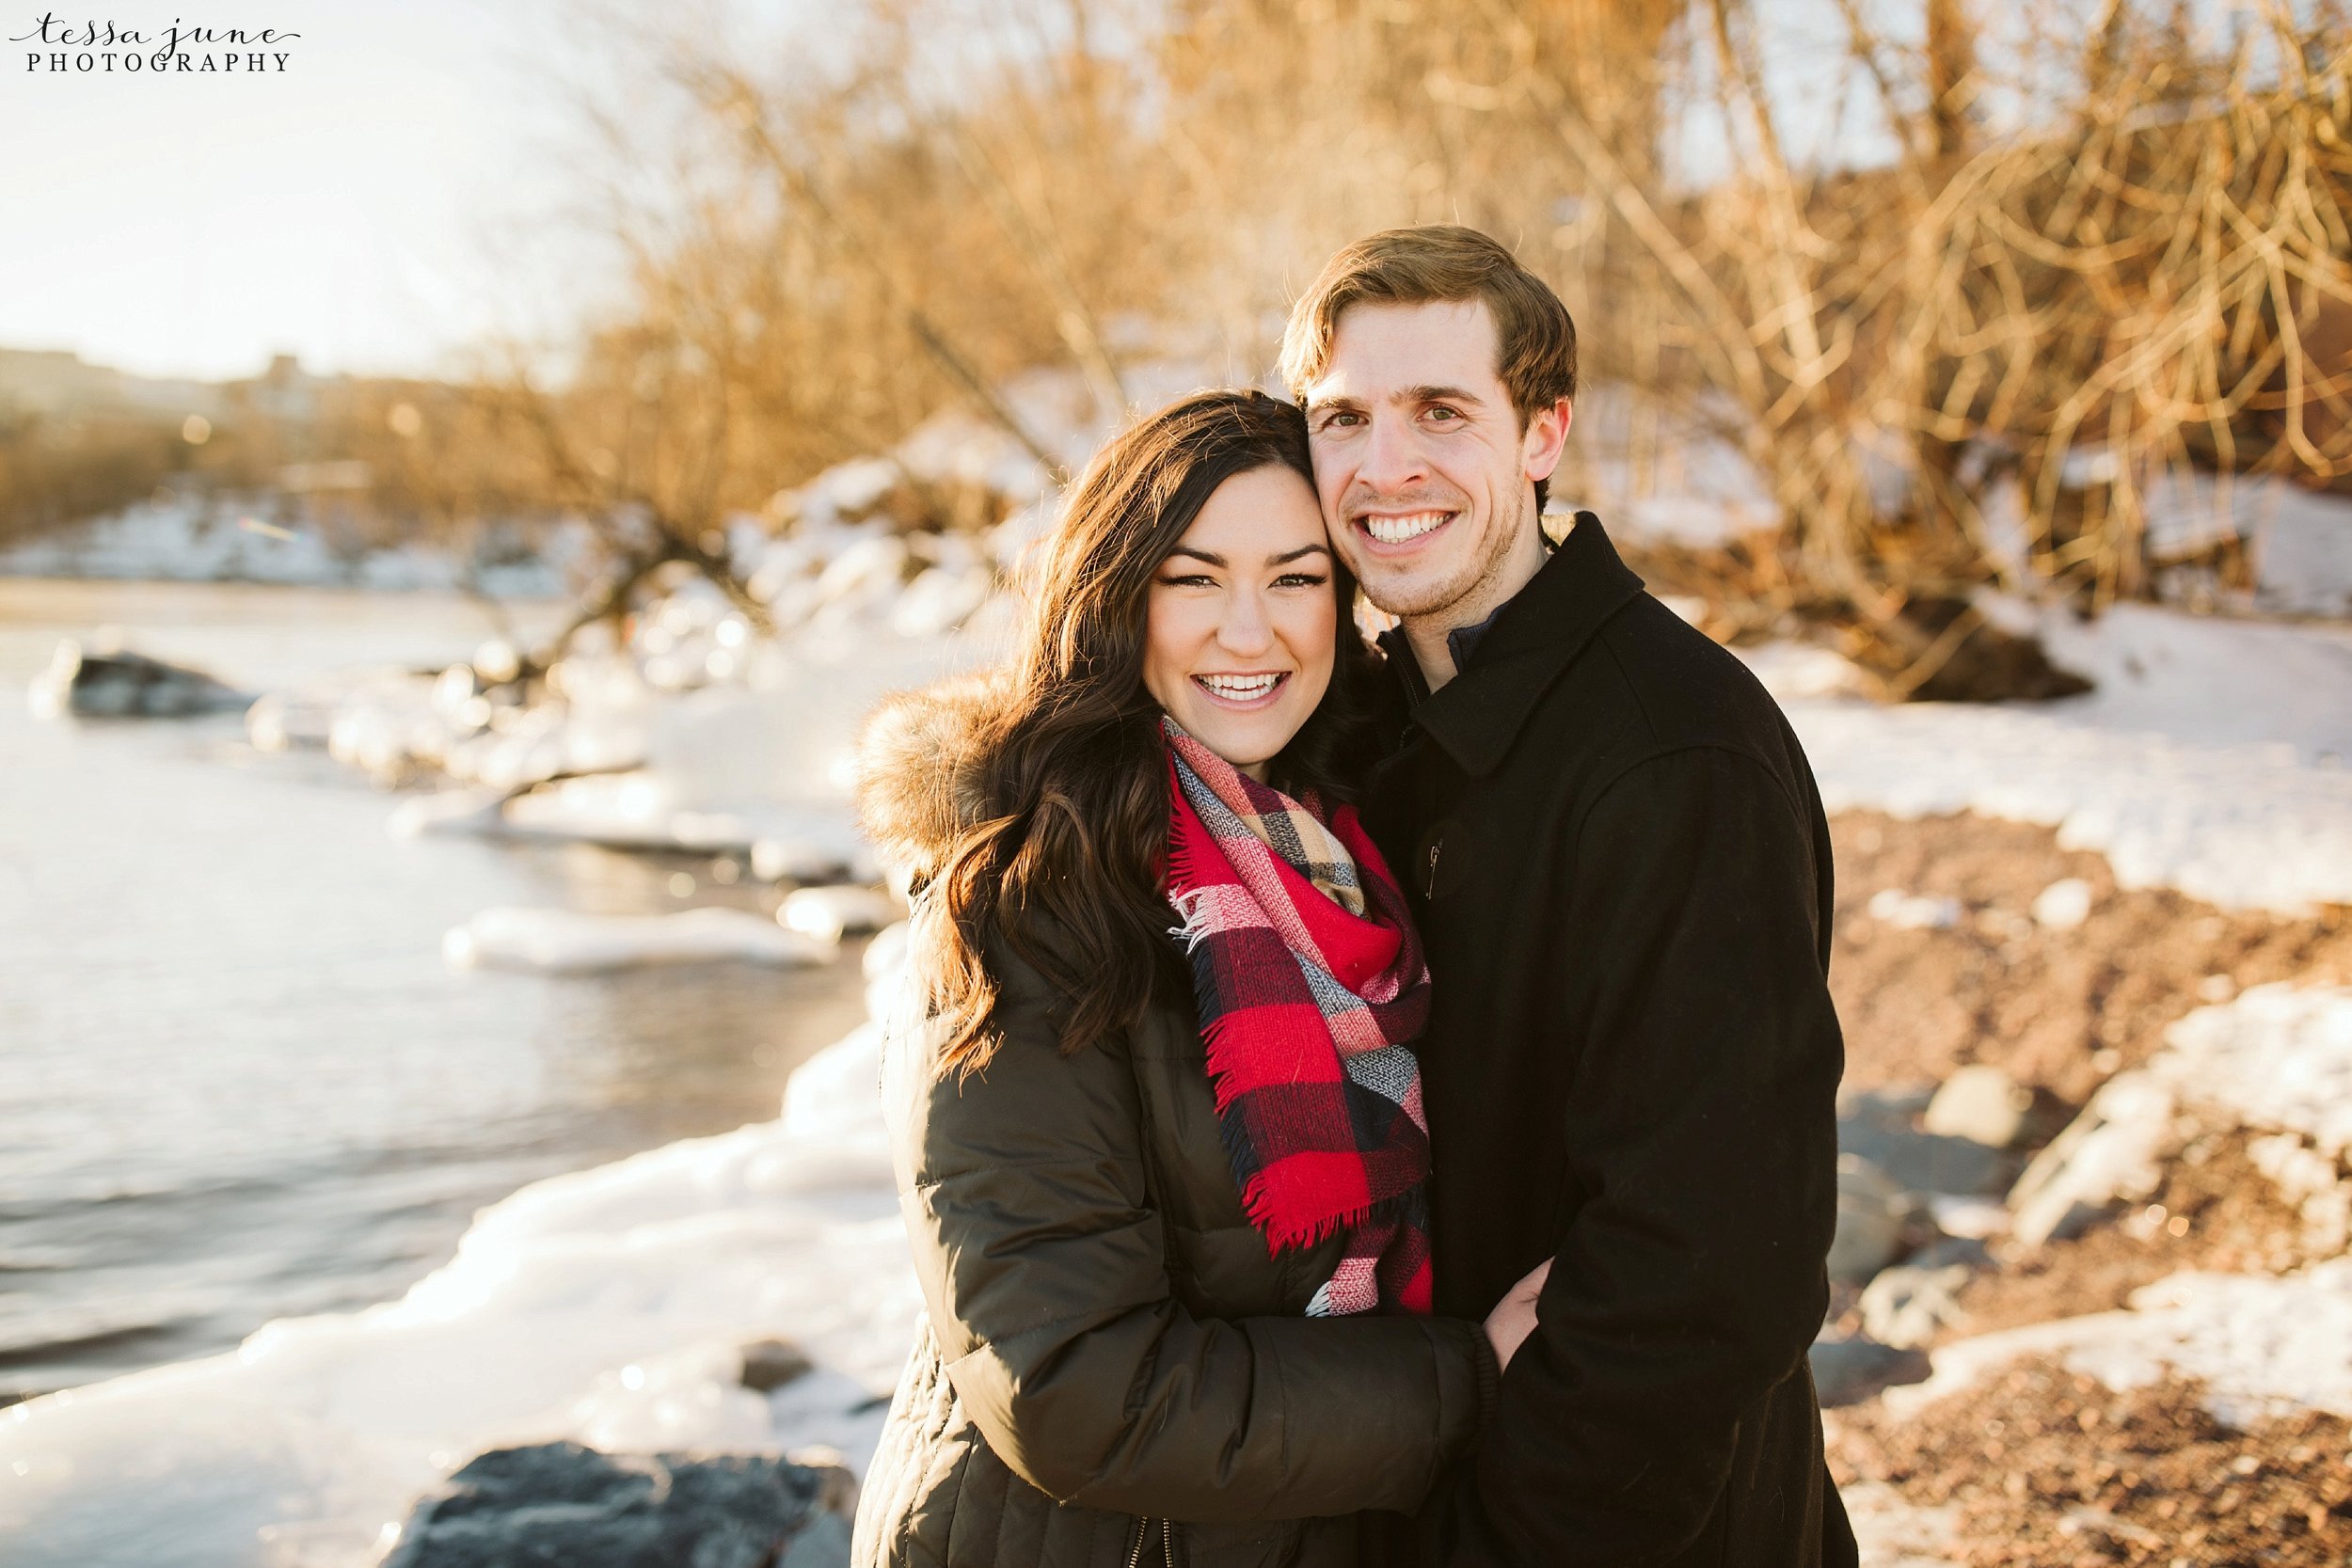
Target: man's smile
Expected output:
[1401,528]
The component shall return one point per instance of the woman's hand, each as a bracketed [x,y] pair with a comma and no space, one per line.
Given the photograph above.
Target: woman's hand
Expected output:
[1514,1317]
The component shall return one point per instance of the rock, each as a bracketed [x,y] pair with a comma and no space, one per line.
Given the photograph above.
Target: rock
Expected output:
[830,913]
[563,1503]
[2313,1183]
[564,942]
[2110,1155]
[1847,1370]
[1879,1127]
[769,1364]
[1975,1219]
[797,860]
[1871,1210]
[284,720]
[1906,1306]
[1913,911]
[478,809]
[2063,905]
[498,661]
[124,685]
[1980,1103]
[1945,1251]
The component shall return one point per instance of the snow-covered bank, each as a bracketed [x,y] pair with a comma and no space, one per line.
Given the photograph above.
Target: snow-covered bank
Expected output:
[2273,1062]
[610,1306]
[2261,1346]
[564,942]
[614,1306]
[2214,757]
[254,539]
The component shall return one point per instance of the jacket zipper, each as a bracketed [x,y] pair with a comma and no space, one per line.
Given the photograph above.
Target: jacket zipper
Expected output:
[1168,1542]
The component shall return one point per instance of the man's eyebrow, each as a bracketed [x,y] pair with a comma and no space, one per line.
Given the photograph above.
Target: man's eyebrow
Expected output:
[1441,394]
[1332,399]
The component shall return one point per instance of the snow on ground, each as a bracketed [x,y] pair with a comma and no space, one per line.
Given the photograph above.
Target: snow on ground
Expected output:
[567,941]
[2277,1060]
[191,539]
[610,1306]
[2214,757]
[2264,1347]
[2301,539]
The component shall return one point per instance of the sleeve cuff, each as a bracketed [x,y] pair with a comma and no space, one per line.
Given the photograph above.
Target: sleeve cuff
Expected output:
[1488,1373]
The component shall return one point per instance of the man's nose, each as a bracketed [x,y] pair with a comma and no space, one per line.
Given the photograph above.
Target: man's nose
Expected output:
[1392,456]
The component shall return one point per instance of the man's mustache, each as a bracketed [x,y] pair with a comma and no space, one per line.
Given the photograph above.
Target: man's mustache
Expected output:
[1353,507]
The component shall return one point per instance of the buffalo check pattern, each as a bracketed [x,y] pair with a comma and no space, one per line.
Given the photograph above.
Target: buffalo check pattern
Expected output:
[1311,985]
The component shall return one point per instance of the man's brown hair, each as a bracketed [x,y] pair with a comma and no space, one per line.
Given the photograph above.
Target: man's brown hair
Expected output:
[1534,338]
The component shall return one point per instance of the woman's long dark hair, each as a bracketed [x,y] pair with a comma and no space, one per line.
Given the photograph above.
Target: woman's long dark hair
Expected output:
[1065,864]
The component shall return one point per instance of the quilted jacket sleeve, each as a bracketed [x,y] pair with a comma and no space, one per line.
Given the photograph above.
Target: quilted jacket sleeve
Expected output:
[1042,1263]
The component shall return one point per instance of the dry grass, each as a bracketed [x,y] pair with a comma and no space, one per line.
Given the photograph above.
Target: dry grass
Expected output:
[2072,224]
[2084,228]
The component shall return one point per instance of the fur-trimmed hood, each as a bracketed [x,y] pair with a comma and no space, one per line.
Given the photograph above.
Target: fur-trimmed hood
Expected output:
[919,758]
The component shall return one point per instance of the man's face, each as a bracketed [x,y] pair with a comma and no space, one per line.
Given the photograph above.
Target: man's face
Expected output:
[1424,474]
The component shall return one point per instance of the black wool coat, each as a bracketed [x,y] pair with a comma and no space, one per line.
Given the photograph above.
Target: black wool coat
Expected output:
[1622,871]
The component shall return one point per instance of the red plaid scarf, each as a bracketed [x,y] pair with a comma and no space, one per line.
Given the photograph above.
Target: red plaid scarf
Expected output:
[1311,984]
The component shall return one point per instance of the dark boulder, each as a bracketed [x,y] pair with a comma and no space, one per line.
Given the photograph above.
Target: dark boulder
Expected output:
[124,685]
[1848,1369]
[559,1505]
[1883,1127]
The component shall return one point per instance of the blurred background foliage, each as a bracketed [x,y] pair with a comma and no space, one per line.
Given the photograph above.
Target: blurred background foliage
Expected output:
[1955,284]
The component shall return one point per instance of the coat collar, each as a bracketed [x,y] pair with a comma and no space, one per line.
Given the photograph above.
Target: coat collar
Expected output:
[1521,651]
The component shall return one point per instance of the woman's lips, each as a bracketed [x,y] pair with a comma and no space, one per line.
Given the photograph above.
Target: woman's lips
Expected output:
[1253,690]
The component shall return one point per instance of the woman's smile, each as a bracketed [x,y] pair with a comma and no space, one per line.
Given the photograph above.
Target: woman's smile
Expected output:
[1243,620]
[1242,691]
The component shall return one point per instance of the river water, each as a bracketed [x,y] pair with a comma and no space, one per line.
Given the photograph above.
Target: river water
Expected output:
[237,1081]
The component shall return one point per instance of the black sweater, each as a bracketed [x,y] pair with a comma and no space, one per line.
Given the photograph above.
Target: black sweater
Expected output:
[1622,870]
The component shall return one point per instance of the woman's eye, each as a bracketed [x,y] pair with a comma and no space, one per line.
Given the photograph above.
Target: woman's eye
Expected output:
[1190,580]
[1300,579]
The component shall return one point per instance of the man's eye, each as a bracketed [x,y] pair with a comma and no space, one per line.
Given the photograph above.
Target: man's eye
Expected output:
[1342,421]
[1444,414]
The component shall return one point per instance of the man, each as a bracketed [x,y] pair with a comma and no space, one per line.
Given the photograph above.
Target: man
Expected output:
[1623,872]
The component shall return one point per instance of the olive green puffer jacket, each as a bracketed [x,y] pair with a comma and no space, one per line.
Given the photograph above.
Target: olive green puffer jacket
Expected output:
[1114,1371]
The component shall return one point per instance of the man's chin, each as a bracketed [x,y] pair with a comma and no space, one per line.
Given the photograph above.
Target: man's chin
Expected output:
[1408,596]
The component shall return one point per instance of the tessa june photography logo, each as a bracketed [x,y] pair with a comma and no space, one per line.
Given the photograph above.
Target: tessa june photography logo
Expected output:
[107,47]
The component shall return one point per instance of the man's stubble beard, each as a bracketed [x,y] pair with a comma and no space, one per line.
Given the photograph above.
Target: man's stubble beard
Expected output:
[1466,588]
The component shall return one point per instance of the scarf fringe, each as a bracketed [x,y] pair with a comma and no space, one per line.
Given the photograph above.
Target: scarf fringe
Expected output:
[1257,1194]
[1383,1232]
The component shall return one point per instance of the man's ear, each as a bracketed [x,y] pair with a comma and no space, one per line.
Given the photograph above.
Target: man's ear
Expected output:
[1545,438]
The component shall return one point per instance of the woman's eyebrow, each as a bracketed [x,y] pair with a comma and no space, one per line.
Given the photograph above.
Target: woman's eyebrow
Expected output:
[1203,555]
[1303,550]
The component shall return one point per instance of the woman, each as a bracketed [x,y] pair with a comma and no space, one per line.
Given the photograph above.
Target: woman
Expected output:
[1159,1136]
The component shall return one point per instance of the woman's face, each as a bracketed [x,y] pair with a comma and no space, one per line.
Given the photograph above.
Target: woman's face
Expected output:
[1243,619]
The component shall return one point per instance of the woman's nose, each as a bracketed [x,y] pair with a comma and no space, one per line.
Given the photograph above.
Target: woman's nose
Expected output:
[1244,628]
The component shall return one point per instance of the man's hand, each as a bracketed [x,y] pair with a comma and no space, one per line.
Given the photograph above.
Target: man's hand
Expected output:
[1514,1317]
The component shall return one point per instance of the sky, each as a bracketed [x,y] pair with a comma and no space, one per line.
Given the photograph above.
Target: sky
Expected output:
[398,190]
